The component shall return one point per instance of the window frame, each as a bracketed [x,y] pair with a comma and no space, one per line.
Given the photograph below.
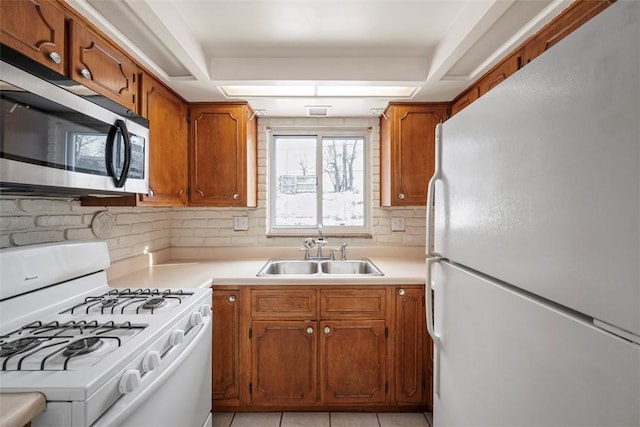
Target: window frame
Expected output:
[319,133]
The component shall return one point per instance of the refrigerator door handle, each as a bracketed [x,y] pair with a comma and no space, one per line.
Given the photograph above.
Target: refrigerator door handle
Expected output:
[431,189]
[431,327]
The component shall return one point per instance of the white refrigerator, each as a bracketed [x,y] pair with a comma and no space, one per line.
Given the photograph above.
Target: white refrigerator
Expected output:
[534,261]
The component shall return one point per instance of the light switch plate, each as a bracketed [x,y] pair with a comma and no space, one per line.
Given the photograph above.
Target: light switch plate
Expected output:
[397,224]
[240,223]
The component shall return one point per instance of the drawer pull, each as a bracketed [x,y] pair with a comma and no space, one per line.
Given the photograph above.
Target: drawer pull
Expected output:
[85,73]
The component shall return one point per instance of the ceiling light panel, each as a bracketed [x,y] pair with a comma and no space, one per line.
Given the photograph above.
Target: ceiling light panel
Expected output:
[250,91]
[335,91]
[367,91]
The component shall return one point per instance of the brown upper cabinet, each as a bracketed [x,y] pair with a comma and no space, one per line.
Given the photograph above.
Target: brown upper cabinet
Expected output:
[168,136]
[407,147]
[567,22]
[561,26]
[223,155]
[35,28]
[100,66]
[465,99]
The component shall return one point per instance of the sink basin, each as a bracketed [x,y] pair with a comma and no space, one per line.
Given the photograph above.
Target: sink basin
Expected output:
[360,266]
[279,267]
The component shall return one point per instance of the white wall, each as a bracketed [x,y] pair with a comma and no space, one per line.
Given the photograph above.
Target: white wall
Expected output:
[30,220]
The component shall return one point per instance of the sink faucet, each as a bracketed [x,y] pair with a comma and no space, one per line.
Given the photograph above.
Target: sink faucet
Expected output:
[320,242]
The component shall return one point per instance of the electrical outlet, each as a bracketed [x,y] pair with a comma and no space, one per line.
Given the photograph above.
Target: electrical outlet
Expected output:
[397,224]
[240,223]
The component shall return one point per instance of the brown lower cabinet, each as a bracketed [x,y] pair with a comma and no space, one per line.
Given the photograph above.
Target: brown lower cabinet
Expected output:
[324,347]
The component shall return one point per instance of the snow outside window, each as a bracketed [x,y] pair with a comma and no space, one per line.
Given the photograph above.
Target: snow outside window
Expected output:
[320,178]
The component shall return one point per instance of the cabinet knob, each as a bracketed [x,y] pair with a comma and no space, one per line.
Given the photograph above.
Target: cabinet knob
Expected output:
[85,73]
[232,298]
[55,57]
[309,330]
[151,192]
[327,330]
[236,196]
[401,292]
[401,196]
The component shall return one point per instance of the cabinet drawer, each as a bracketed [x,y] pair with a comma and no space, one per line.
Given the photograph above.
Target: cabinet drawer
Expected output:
[299,304]
[338,303]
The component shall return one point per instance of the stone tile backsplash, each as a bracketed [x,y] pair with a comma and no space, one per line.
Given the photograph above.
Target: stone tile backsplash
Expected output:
[31,220]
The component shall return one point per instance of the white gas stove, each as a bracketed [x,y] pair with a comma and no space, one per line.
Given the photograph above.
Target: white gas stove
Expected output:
[101,356]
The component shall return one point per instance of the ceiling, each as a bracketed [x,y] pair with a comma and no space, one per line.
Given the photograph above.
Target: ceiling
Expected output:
[438,47]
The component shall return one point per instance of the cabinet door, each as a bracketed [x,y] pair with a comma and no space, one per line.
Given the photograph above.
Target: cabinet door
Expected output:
[353,361]
[465,100]
[408,153]
[220,155]
[409,327]
[226,352]
[101,67]
[567,22]
[284,362]
[499,74]
[168,138]
[36,29]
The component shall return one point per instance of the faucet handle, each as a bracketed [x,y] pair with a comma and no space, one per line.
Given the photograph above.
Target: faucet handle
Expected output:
[343,251]
[309,243]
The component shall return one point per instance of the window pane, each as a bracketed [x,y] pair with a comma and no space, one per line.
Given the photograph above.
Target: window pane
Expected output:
[343,181]
[295,171]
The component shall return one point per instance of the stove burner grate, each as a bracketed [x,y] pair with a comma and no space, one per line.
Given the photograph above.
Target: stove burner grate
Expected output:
[82,346]
[153,303]
[46,342]
[18,346]
[121,299]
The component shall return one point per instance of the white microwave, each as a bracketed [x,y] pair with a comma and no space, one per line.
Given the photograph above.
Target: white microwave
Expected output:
[53,141]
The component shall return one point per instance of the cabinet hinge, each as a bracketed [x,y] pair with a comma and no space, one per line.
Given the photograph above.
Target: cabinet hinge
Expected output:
[188,118]
[250,388]
[386,387]
[386,332]
[250,333]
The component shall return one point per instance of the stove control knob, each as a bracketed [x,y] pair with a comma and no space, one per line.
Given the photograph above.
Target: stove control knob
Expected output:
[129,381]
[176,337]
[195,319]
[151,361]
[205,310]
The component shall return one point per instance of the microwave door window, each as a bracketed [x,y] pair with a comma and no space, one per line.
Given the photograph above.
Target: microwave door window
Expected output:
[85,152]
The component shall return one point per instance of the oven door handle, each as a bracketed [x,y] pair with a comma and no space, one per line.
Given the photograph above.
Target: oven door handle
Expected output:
[121,126]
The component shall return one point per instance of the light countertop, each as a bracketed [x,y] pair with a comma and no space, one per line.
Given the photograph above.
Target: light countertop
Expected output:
[18,409]
[202,267]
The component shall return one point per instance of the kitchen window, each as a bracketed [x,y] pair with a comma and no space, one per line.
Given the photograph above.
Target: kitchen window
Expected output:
[319,178]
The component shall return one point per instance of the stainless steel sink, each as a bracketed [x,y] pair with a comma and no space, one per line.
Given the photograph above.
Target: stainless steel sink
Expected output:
[360,267]
[280,267]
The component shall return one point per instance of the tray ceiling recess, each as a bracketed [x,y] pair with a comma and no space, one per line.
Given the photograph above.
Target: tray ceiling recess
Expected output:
[288,56]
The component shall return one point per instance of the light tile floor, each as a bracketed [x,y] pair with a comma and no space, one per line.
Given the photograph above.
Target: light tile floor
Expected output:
[321,419]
